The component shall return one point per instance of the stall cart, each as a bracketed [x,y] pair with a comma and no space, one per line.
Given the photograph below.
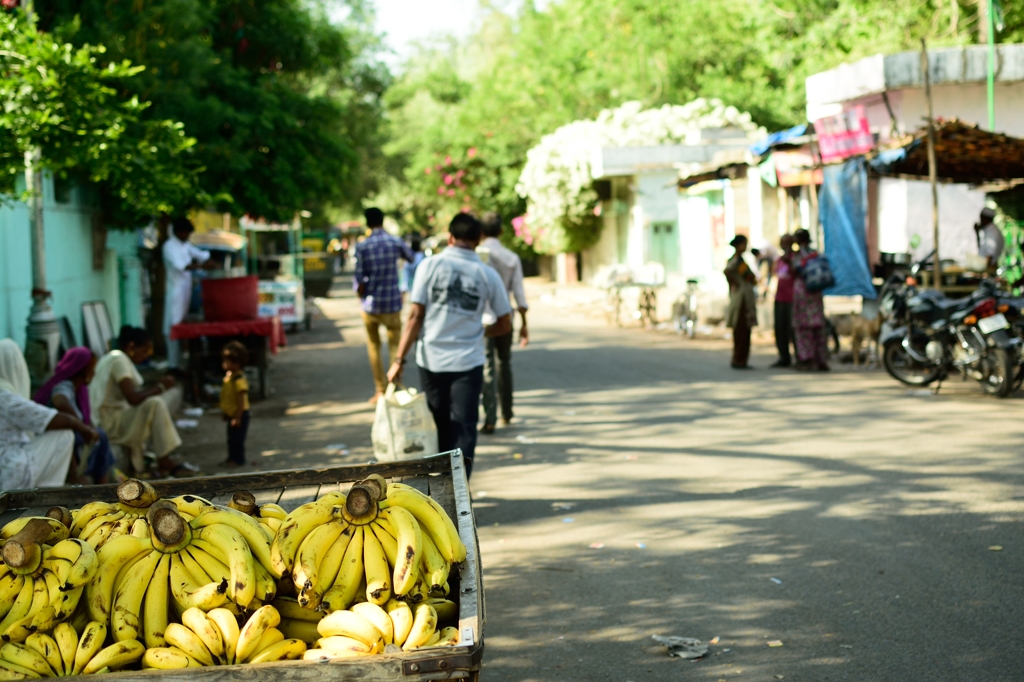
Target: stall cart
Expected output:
[443,477]
[281,288]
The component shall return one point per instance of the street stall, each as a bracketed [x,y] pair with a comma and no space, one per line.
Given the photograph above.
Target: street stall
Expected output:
[276,258]
[235,621]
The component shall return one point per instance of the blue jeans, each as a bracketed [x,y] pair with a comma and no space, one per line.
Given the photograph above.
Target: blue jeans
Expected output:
[101,457]
[454,400]
[236,439]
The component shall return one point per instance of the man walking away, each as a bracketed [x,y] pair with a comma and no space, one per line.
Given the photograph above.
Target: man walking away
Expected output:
[181,257]
[448,300]
[784,302]
[376,282]
[498,368]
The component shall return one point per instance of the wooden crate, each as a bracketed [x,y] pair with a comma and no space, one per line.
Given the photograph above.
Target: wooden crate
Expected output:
[442,476]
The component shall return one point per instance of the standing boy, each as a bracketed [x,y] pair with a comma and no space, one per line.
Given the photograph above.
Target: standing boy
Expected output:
[234,401]
[448,300]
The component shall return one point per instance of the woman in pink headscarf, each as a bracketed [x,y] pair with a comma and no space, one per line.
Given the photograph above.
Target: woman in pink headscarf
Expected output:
[67,391]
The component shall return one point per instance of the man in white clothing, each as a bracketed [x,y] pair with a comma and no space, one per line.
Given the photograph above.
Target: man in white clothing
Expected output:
[990,239]
[497,386]
[181,257]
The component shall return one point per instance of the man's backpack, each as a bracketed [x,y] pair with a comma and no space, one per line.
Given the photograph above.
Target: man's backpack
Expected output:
[817,274]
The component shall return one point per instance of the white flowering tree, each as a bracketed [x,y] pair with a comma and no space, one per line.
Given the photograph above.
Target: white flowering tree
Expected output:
[557,182]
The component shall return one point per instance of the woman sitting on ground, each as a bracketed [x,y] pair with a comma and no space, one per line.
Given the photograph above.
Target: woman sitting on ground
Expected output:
[36,442]
[67,391]
[131,414]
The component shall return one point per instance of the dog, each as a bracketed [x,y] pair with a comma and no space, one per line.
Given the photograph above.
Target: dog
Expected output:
[860,330]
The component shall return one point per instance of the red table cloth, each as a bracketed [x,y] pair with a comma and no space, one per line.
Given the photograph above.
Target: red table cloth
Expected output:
[261,326]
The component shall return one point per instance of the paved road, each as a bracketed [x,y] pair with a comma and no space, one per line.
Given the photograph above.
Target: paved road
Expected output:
[872,509]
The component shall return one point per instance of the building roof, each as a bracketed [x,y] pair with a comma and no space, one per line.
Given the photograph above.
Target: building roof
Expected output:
[964,153]
[879,73]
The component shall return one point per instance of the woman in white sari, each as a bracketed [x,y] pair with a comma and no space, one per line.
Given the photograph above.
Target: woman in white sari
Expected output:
[131,414]
[36,442]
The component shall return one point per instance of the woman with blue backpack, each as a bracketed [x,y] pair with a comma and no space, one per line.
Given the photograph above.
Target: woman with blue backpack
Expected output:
[813,276]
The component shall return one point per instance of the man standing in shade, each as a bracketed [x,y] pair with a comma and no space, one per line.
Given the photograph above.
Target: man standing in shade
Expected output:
[181,257]
[448,298]
[376,282]
[498,369]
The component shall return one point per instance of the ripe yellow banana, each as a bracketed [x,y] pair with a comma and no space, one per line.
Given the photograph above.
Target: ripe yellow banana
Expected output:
[324,655]
[168,658]
[297,525]
[89,512]
[113,556]
[350,575]
[98,522]
[433,567]
[115,656]
[58,531]
[401,619]
[67,643]
[69,550]
[192,505]
[379,617]
[424,625]
[287,607]
[266,586]
[154,613]
[409,539]
[227,626]
[197,571]
[330,565]
[22,604]
[272,524]
[89,645]
[264,618]
[305,572]
[187,592]
[245,525]
[272,511]
[10,586]
[126,609]
[12,671]
[212,566]
[377,570]
[60,568]
[45,646]
[432,518]
[140,528]
[182,637]
[26,658]
[447,610]
[271,636]
[242,585]
[385,534]
[285,650]
[33,561]
[350,624]
[343,644]
[299,629]
[85,566]
[448,636]
[201,624]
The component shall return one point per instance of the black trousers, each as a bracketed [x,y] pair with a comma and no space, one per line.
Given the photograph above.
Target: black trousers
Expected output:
[498,379]
[784,330]
[236,439]
[454,400]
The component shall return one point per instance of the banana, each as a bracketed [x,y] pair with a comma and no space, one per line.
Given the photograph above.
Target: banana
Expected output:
[245,525]
[266,586]
[385,535]
[446,610]
[424,625]
[117,655]
[100,521]
[93,636]
[409,539]
[299,629]
[311,554]
[434,567]
[182,637]
[61,568]
[289,608]
[26,658]
[377,570]
[168,658]
[126,608]
[242,585]
[79,619]
[11,671]
[448,636]
[17,630]
[297,525]
[197,571]
[227,626]
[201,624]
[58,531]
[45,646]
[22,603]
[341,643]
[379,617]
[270,637]
[401,617]
[210,564]
[350,624]
[113,556]
[140,528]
[330,565]
[272,511]
[324,655]
[188,593]
[89,512]
[272,524]
[10,586]
[154,614]
[67,643]
[264,618]
[69,550]
[419,591]
[286,650]
[350,575]
[85,566]
[33,561]
[192,505]
[432,518]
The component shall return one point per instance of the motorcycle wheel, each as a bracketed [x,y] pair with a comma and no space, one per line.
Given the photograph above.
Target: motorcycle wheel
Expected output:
[998,379]
[904,368]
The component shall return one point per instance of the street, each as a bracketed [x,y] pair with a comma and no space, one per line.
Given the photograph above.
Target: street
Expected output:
[839,514]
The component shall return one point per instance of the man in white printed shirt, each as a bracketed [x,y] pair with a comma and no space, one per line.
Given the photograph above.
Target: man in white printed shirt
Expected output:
[498,369]
[181,257]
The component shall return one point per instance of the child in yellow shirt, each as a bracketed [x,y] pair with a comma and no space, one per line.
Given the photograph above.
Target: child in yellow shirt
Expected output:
[234,401]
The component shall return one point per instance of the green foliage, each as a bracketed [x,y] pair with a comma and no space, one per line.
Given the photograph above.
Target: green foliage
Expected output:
[57,98]
[522,77]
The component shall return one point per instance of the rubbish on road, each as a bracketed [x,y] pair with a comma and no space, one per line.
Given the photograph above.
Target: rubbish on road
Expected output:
[518,455]
[193,412]
[775,642]
[568,519]
[845,646]
[570,413]
[632,457]
[523,439]
[563,505]
[481,494]
[597,545]
[683,647]
[641,545]
[776,581]
[780,677]
[920,392]
[186,423]
[996,548]
[334,447]
[714,640]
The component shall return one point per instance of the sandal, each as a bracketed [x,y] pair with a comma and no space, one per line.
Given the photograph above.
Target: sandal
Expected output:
[184,470]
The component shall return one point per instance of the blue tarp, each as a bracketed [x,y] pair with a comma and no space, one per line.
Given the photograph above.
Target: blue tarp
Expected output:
[782,137]
[843,212]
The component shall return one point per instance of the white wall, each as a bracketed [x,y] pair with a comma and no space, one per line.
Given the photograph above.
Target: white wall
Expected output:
[905,210]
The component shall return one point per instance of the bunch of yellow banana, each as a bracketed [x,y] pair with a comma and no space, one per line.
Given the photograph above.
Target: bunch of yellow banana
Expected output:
[369,629]
[100,522]
[379,542]
[41,584]
[62,653]
[214,638]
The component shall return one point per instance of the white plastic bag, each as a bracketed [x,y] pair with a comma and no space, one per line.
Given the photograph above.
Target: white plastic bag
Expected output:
[403,427]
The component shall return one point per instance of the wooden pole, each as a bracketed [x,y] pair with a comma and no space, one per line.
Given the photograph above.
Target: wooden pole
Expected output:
[932,169]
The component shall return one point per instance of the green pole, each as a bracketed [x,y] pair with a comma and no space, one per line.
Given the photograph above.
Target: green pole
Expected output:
[991,67]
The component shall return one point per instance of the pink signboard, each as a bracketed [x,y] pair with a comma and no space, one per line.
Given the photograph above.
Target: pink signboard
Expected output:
[844,135]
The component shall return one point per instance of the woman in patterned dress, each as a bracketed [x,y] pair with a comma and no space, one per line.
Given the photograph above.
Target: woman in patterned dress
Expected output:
[808,314]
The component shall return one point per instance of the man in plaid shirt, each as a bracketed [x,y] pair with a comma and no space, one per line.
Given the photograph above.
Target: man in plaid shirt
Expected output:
[376,282]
